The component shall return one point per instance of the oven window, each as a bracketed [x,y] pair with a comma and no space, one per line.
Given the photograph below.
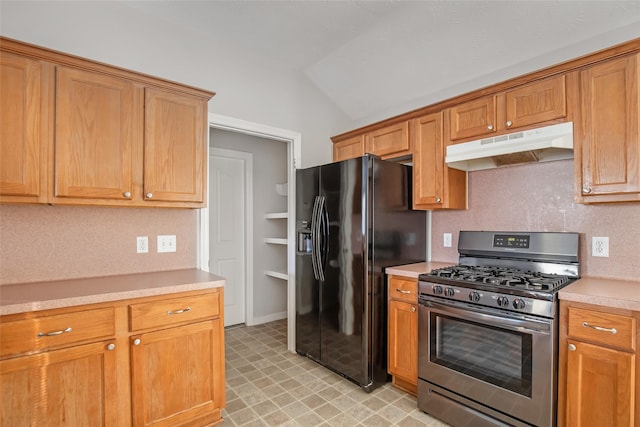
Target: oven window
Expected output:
[497,356]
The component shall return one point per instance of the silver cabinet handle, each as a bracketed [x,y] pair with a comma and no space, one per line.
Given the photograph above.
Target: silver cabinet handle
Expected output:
[438,199]
[600,328]
[509,123]
[586,190]
[127,194]
[111,347]
[136,341]
[402,291]
[572,347]
[149,195]
[490,127]
[53,333]
[184,310]
[413,309]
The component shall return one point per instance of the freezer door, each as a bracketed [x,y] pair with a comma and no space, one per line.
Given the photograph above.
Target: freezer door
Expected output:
[307,285]
[343,293]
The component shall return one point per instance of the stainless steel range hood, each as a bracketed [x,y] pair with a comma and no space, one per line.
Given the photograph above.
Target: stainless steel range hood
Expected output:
[545,144]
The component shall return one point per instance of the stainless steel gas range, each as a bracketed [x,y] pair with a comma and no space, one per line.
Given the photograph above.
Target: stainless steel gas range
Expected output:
[488,333]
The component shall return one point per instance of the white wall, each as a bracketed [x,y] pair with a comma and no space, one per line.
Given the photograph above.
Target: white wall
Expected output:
[248,86]
[269,168]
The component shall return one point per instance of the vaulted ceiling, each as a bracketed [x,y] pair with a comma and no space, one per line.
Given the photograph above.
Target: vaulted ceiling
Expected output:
[370,57]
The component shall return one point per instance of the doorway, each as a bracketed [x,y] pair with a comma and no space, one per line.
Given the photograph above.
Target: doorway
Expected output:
[293,148]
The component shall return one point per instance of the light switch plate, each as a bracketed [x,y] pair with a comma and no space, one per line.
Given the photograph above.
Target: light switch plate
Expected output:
[446,240]
[166,243]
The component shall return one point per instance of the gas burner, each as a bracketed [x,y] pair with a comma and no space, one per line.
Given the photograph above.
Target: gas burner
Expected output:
[502,277]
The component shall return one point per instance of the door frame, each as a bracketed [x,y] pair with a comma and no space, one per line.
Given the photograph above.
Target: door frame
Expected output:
[247,159]
[294,143]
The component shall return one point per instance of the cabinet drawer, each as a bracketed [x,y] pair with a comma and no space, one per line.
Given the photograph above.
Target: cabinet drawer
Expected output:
[603,328]
[403,289]
[41,333]
[173,311]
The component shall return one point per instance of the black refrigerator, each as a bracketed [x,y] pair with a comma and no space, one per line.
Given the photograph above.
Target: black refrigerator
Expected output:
[353,219]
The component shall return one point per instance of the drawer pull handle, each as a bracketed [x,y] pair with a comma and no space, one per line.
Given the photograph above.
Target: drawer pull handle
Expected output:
[184,310]
[53,333]
[402,291]
[572,347]
[111,347]
[600,328]
[413,309]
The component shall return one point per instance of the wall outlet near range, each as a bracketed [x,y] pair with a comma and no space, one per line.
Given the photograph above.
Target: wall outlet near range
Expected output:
[166,243]
[600,246]
[446,240]
[142,244]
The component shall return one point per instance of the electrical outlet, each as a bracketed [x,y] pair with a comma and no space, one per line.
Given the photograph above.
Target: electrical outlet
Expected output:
[600,246]
[166,243]
[447,240]
[142,244]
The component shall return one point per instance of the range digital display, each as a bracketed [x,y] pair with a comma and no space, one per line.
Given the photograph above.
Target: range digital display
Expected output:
[511,241]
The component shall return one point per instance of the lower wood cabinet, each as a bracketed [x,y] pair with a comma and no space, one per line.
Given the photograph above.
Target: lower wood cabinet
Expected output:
[598,367]
[403,332]
[155,361]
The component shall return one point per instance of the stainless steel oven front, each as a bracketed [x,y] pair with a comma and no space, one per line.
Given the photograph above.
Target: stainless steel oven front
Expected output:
[485,366]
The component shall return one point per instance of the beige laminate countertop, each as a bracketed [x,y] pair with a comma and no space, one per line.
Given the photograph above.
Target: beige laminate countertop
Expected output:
[414,270]
[607,292]
[614,293]
[20,298]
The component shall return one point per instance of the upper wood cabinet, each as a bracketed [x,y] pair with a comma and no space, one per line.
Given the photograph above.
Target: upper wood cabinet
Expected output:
[606,140]
[389,142]
[174,147]
[532,104]
[95,136]
[24,134]
[85,133]
[435,185]
[348,148]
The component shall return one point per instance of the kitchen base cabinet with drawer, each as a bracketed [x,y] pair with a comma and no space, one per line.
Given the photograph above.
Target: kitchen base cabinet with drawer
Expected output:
[598,383]
[152,361]
[403,333]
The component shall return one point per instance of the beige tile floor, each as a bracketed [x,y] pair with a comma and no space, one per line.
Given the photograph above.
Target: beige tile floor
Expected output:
[269,386]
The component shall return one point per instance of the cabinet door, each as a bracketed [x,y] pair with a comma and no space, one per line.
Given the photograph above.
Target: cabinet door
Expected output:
[403,341]
[607,138]
[66,387]
[349,148]
[389,142]
[536,103]
[473,119]
[435,185]
[600,386]
[178,375]
[24,132]
[174,147]
[94,137]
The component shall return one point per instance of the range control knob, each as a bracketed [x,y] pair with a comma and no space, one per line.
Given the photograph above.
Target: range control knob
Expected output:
[518,304]
[449,292]
[503,301]
[437,289]
[474,296]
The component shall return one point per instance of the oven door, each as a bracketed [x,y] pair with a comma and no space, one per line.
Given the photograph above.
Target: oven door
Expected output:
[503,361]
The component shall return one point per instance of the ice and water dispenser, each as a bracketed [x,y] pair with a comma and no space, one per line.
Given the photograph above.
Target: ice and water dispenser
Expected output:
[304,237]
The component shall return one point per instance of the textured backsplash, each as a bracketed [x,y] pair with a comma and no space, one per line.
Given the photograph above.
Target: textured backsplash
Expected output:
[41,242]
[539,197]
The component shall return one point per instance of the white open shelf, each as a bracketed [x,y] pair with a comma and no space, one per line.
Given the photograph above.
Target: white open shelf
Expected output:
[275,241]
[277,215]
[277,274]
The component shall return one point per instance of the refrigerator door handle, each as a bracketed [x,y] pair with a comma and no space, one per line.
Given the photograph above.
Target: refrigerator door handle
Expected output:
[314,237]
[324,235]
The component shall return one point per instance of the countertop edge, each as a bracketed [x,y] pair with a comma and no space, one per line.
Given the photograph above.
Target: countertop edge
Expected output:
[75,292]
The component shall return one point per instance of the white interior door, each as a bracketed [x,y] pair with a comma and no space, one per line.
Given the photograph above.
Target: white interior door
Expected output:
[228,189]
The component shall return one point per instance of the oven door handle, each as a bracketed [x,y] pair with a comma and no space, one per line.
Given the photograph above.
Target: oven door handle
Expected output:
[504,322]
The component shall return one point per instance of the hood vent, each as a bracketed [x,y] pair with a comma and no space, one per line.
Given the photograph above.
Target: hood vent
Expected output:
[545,144]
